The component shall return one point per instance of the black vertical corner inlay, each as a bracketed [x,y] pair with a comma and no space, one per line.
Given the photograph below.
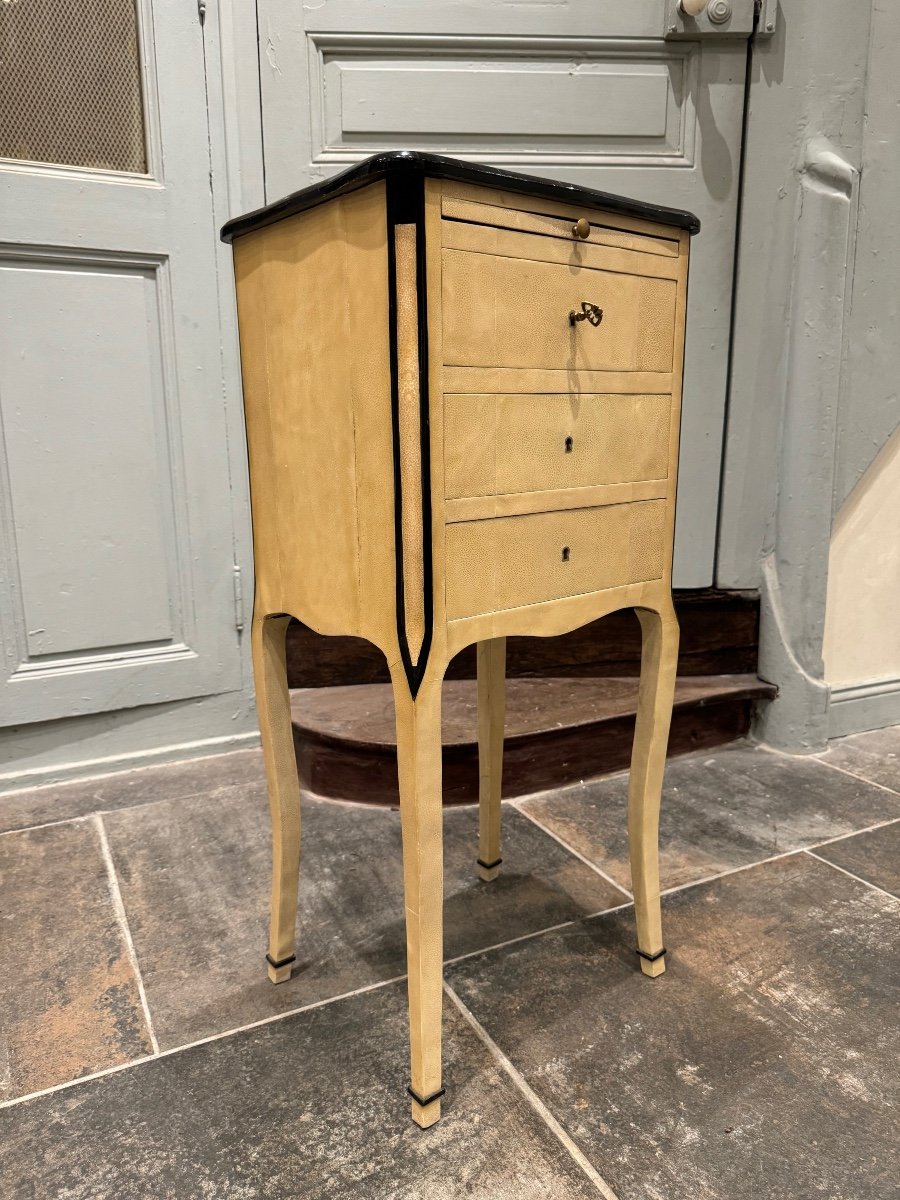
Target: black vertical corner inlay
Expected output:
[406,206]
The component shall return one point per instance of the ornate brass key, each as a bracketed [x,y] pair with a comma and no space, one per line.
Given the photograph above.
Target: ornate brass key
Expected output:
[592,313]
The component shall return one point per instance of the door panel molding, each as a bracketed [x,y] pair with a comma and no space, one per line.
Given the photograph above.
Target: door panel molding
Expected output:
[133,289]
[150,85]
[40,663]
[624,103]
[569,18]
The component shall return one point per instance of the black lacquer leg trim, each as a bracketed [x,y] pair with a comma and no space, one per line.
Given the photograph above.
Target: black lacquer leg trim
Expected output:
[651,957]
[489,866]
[282,963]
[428,1099]
[406,205]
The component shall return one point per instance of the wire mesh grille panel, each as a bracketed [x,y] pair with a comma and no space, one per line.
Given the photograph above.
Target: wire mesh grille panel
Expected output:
[70,83]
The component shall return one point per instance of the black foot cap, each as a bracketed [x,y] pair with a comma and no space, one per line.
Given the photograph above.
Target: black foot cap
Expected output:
[651,957]
[489,866]
[281,963]
[428,1099]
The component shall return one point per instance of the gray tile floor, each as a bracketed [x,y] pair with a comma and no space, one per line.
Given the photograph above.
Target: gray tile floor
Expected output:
[144,1054]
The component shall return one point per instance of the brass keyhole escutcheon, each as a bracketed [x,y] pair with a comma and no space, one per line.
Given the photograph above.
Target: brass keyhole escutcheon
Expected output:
[569,444]
[592,313]
[566,553]
[582,228]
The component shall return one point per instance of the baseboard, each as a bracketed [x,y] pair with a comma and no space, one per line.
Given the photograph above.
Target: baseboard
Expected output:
[860,707]
[96,767]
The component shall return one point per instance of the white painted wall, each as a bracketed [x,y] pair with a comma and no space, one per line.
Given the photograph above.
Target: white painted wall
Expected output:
[862,617]
[862,621]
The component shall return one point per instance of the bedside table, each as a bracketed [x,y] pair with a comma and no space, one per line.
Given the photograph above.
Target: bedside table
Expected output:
[462,390]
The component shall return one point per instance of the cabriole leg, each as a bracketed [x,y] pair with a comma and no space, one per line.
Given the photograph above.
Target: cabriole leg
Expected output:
[491,716]
[274,711]
[659,661]
[421,818]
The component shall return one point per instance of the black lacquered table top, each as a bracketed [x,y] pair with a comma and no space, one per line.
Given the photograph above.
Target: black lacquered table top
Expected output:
[415,165]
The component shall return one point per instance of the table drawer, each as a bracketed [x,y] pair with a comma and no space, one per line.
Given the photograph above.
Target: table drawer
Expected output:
[521,443]
[599,231]
[509,562]
[515,312]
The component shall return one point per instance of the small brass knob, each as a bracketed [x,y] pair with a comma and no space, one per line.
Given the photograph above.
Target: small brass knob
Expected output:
[582,228]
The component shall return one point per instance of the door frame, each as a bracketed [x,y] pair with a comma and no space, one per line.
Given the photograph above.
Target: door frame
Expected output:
[231,51]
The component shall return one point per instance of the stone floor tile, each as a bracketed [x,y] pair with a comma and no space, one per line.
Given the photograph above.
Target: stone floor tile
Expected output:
[195,883]
[762,1064]
[874,755]
[873,856]
[311,1106]
[719,811]
[69,1000]
[124,789]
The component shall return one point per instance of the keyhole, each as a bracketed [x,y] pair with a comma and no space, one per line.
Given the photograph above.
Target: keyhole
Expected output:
[570,442]
[566,552]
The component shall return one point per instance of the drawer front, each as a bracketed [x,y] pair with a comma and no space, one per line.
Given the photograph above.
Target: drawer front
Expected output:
[495,445]
[597,231]
[509,562]
[513,312]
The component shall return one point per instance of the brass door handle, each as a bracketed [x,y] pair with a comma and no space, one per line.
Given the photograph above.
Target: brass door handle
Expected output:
[582,228]
[592,313]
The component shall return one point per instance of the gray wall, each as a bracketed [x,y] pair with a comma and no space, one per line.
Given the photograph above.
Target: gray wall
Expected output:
[870,385]
[807,82]
[816,354]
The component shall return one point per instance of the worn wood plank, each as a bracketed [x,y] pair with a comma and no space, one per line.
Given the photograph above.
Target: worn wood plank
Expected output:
[558,731]
[719,636]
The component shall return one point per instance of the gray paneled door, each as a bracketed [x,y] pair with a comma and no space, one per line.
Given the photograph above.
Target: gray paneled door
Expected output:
[116,579]
[585,90]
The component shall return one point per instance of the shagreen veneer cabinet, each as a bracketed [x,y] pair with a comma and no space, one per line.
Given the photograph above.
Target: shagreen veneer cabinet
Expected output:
[462,390]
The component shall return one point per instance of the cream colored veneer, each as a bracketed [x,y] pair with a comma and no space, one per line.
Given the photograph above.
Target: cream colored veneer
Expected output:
[438,457]
[473,213]
[508,562]
[520,315]
[500,444]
